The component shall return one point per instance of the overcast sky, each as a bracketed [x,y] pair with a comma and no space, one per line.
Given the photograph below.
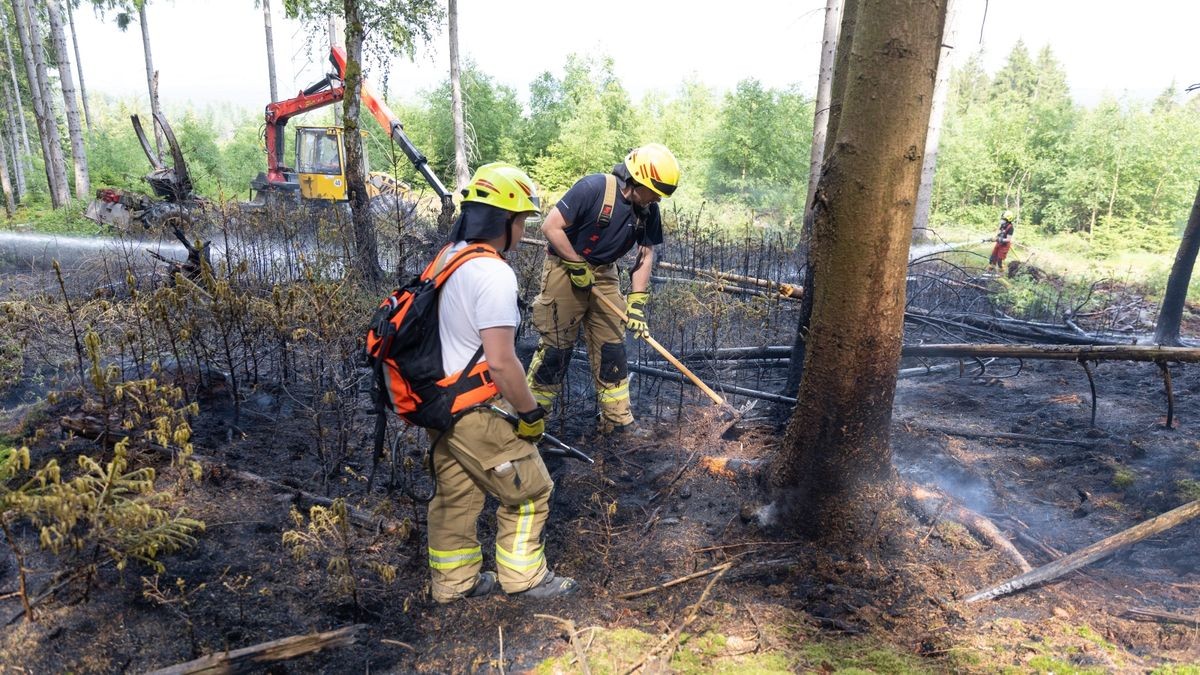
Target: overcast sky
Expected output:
[212,51]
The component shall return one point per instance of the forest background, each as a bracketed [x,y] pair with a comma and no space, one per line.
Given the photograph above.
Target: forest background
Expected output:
[1099,190]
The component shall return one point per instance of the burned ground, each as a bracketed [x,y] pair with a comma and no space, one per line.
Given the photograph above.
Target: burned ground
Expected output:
[685,502]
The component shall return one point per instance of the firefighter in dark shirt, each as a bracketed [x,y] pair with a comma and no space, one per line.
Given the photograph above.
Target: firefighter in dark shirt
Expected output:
[1003,242]
[600,219]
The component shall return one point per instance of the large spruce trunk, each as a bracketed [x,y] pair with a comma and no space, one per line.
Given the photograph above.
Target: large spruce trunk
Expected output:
[79,160]
[836,460]
[1166,330]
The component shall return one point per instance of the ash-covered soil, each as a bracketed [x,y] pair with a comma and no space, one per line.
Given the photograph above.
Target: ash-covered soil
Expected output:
[654,511]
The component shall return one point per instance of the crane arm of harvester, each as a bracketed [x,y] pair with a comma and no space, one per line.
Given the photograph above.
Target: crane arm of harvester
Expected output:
[330,90]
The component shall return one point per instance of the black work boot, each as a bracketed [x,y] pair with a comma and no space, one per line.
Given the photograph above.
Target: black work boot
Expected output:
[484,585]
[551,586]
[631,432]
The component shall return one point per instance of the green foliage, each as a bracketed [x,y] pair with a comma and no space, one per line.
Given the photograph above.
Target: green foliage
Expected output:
[328,536]
[493,118]
[760,148]
[595,123]
[1188,489]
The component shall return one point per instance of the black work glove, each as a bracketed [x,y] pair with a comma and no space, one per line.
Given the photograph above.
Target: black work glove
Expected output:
[580,274]
[532,425]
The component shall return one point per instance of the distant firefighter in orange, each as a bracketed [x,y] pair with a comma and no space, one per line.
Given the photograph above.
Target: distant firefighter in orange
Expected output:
[1003,241]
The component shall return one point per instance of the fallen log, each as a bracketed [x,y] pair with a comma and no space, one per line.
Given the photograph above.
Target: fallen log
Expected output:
[1145,613]
[934,505]
[1027,438]
[1090,554]
[266,652]
[1149,353]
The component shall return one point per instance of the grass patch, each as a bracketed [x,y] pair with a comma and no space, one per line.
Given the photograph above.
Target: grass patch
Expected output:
[1123,478]
[67,220]
[1188,488]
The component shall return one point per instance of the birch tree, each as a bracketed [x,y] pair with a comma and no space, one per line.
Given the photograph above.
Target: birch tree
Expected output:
[378,27]
[83,186]
[17,115]
[833,20]
[30,36]
[835,464]
[940,91]
[87,110]
[10,202]
[462,170]
[19,158]
[266,8]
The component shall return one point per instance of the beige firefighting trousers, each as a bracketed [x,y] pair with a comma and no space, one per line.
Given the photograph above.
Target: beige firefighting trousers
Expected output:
[558,312]
[482,454]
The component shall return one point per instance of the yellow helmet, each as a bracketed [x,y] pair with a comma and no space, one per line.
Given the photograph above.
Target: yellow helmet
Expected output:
[655,167]
[503,186]
[1007,216]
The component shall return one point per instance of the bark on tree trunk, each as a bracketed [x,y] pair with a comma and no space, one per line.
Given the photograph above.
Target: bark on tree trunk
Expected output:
[266,7]
[462,171]
[79,160]
[43,108]
[1166,330]
[15,95]
[87,109]
[151,76]
[920,233]
[836,459]
[19,158]
[365,241]
[837,88]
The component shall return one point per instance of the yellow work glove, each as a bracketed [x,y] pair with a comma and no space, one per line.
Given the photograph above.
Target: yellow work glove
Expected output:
[532,425]
[637,313]
[580,274]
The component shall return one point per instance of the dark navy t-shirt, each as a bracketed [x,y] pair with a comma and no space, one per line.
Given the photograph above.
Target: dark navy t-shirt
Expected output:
[580,207]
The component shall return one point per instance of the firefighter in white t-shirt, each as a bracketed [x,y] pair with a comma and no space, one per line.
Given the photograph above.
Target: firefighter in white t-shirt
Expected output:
[482,453]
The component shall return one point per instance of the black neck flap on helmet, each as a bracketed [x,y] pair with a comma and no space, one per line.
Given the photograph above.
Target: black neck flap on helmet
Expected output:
[483,222]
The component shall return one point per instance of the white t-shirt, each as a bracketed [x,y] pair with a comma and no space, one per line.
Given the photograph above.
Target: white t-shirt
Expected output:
[482,293]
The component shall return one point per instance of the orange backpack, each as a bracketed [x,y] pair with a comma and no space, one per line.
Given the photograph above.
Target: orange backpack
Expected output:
[405,350]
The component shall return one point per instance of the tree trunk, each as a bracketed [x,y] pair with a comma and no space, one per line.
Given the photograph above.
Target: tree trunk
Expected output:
[337,38]
[87,110]
[837,88]
[43,109]
[15,95]
[83,185]
[10,203]
[462,171]
[833,14]
[836,461]
[920,232]
[151,76]
[266,7]
[19,158]
[366,245]
[1166,330]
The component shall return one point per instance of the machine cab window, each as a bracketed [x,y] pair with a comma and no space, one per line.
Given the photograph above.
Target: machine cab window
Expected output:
[318,150]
